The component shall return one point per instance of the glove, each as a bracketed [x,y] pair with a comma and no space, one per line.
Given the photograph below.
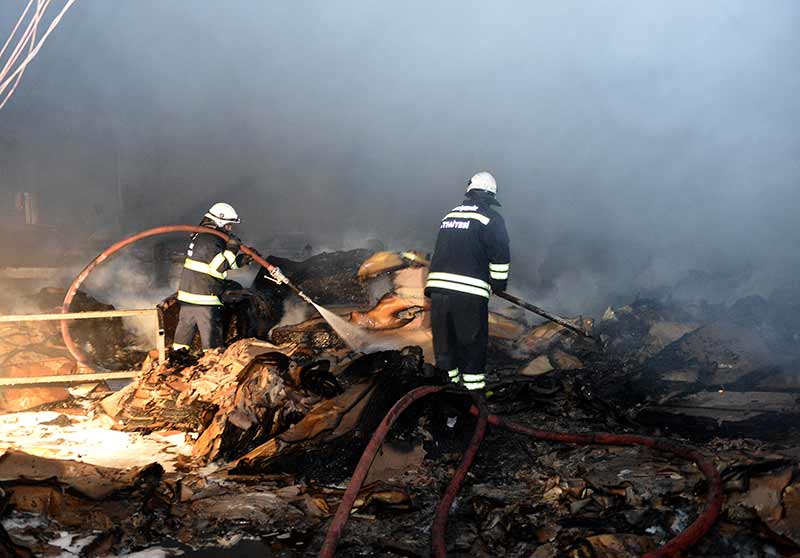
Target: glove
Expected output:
[278,275]
[243,260]
[233,244]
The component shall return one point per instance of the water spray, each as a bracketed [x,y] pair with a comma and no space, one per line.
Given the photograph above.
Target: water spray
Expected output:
[354,336]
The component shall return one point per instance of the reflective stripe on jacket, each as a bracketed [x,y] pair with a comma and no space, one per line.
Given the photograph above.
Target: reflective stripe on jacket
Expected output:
[204,270]
[201,300]
[472,251]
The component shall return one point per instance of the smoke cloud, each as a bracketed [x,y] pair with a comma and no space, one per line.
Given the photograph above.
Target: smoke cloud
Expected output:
[633,142]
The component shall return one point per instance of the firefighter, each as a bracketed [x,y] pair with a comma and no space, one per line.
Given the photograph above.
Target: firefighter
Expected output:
[208,260]
[471,259]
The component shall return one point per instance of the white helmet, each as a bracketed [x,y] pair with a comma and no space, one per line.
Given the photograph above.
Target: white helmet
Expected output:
[223,214]
[483,181]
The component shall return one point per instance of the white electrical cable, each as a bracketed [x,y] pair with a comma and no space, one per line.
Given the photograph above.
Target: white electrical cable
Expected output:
[14,31]
[26,36]
[35,51]
[41,6]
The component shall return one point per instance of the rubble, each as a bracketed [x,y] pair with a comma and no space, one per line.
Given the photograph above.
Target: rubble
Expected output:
[328,278]
[78,434]
[272,425]
[108,342]
[232,399]
[391,312]
[334,430]
[33,349]
[705,376]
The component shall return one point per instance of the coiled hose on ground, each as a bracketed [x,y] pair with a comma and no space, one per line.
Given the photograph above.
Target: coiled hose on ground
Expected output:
[681,542]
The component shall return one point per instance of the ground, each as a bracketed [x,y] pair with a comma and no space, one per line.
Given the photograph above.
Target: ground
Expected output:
[248,450]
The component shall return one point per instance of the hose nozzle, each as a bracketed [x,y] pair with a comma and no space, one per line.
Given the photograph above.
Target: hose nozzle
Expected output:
[304,296]
[278,275]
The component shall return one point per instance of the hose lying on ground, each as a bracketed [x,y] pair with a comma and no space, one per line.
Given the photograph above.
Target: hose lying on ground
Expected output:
[360,473]
[72,347]
[452,490]
[681,542]
[684,540]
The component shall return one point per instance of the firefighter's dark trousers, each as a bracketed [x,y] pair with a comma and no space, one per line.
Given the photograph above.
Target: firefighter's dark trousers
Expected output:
[460,324]
[205,319]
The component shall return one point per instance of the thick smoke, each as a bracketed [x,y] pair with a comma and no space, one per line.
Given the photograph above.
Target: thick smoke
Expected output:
[635,143]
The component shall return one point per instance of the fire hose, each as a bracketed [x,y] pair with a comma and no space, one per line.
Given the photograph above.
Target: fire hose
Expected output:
[681,542]
[73,348]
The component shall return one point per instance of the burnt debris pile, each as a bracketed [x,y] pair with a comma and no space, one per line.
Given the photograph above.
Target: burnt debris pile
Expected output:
[703,371]
[273,424]
[36,349]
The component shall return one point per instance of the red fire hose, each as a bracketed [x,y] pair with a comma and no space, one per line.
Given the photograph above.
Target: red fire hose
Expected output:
[679,543]
[686,538]
[360,473]
[73,349]
[443,509]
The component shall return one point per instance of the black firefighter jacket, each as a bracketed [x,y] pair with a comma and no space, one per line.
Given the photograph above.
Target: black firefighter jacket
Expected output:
[208,260]
[472,251]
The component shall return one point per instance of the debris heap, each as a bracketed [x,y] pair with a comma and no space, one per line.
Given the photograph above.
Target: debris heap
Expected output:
[31,349]
[277,422]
